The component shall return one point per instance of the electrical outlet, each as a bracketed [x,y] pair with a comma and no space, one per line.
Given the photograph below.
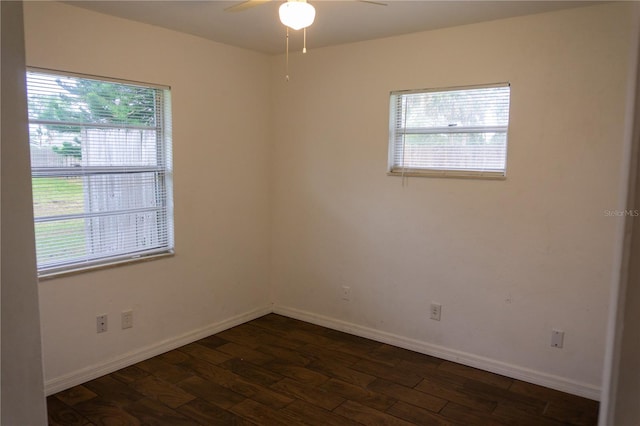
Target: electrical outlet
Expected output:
[436,310]
[127,319]
[557,338]
[346,293]
[101,323]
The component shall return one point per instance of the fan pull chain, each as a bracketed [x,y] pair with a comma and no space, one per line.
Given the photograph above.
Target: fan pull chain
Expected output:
[304,46]
[287,58]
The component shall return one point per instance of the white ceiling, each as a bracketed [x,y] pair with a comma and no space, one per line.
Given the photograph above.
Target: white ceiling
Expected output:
[337,22]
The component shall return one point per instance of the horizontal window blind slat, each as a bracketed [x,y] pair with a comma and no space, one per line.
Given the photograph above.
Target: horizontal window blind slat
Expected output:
[450,130]
[80,124]
[89,171]
[43,219]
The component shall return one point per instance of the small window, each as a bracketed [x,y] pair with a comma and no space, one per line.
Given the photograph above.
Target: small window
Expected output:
[454,132]
[101,170]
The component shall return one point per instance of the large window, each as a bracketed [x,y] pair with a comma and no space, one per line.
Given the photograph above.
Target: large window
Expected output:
[101,170]
[459,132]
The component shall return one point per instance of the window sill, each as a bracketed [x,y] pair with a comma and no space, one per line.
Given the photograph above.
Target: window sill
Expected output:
[455,174]
[45,276]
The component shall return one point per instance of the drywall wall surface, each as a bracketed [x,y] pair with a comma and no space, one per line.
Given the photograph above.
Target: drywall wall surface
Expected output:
[22,390]
[508,260]
[220,99]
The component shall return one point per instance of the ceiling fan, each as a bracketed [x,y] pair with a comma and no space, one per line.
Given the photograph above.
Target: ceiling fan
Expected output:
[294,14]
[248,4]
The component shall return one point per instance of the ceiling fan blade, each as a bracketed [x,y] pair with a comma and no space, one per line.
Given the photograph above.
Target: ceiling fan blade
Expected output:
[377,3]
[248,4]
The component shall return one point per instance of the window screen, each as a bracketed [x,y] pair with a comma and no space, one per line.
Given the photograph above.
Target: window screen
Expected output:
[101,170]
[450,132]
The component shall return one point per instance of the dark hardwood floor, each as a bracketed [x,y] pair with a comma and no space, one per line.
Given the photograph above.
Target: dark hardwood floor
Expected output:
[280,371]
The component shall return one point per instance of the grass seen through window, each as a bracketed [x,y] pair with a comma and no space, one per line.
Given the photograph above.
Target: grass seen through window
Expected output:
[55,196]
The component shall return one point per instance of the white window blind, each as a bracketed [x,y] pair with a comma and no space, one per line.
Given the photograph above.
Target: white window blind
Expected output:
[450,132]
[101,170]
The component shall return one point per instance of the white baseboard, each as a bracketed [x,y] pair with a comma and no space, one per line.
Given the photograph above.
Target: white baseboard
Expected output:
[514,371]
[83,375]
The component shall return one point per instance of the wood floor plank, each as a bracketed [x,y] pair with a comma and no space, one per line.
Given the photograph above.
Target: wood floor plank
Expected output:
[211,392]
[277,370]
[241,335]
[561,406]
[113,390]
[297,373]
[312,415]
[246,353]
[175,356]
[543,393]
[476,374]
[441,390]
[213,341]
[312,394]
[153,413]
[408,395]
[395,354]
[354,345]
[103,412]
[578,414]
[281,338]
[463,415]
[285,355]
[280,322]
[168,372]
[205,353]
[304,337]
[361,343]
[168,394]
[401,376]
[129,374]
[322,353]
[505,397]
[339,371]
[364,396]
[368,416]
[75,395]
[211,415]
[238,384]
[254,373]
[62,414]
[261,414]
[285,338]
[511,414]
[422,369]
[417,415]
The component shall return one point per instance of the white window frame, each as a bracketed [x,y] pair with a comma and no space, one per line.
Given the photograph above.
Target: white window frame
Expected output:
[398,133]
[163,173]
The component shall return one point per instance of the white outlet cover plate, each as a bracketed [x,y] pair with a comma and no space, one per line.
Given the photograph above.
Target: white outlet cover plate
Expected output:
[101,323]
[436,311]
[557,338]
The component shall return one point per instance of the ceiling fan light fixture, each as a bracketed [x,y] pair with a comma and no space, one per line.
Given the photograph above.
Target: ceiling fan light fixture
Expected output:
[297,14]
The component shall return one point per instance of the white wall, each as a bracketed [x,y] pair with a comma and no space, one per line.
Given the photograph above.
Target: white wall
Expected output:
[23,400]
[221,134]
[508,260]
